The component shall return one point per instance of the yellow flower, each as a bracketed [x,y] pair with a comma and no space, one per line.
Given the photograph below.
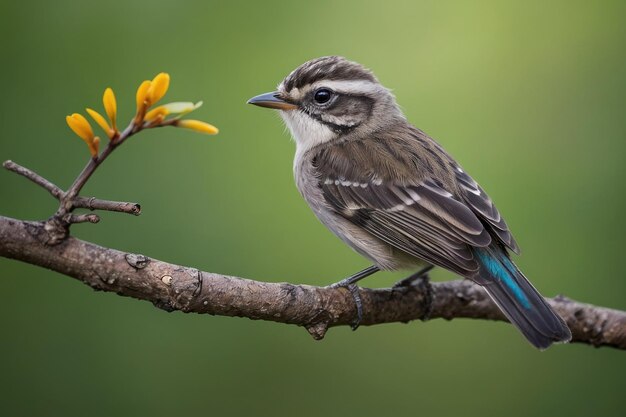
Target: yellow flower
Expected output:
[155,113]
[198,126]
[101,122]
[142,96]
[82,128]
[177,107]
[110,106]
[149,93]
[158,87]
[182,107]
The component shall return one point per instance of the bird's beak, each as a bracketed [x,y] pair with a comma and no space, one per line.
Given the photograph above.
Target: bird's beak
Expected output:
[273,101]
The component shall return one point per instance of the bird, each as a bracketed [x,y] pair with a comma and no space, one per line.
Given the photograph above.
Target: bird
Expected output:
[394,195]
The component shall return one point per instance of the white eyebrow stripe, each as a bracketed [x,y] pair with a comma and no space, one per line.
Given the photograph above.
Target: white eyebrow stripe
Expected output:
[347,86]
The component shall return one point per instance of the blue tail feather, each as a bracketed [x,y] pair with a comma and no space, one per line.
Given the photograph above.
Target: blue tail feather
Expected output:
[503,269]
[518,299]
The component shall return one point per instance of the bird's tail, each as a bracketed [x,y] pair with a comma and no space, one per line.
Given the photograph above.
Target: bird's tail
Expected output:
[518,299]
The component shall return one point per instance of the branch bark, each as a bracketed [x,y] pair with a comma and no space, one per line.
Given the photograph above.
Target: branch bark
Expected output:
[173,287]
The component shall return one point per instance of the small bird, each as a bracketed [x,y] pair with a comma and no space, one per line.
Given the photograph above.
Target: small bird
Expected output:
[395,195]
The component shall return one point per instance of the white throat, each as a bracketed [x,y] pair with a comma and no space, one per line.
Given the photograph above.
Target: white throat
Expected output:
[306,131]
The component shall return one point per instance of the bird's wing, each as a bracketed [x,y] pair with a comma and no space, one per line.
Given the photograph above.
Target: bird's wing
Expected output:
[480,203]
[418,216]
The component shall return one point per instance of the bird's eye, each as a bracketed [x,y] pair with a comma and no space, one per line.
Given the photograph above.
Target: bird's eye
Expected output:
[322,95]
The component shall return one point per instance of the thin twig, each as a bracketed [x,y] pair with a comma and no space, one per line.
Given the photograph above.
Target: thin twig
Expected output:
[93,203]
[34,177]
[90,168]
[84,176]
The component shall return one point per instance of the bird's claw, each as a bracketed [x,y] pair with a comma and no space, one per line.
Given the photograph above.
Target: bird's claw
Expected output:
[350,284]
[420,279]
[356,296]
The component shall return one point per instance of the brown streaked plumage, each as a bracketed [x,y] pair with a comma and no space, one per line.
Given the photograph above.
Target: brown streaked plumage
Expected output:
[395,195]
[328,68]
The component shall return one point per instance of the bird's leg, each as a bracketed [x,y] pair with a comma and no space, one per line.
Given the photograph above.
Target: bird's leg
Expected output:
[422,279]
[350,284]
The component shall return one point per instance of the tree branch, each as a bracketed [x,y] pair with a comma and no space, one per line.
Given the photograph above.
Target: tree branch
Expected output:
[174,287]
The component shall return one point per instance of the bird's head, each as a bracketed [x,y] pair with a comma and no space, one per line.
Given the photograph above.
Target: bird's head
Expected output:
[328,97]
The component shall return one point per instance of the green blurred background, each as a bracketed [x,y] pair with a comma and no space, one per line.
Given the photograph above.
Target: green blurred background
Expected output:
[529,96]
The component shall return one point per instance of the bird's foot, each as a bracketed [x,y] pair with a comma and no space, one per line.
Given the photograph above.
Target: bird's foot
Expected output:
[421,280]
[350,284]
[354,291]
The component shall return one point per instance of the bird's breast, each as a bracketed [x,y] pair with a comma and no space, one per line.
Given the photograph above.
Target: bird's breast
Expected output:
[382,254]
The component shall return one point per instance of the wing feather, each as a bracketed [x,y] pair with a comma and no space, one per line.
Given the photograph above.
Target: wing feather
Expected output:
[422,220]
[401,198]
[476,198]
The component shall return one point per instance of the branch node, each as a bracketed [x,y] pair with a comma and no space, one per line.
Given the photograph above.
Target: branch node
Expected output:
[317,330]
[184,287]
[55,231]
[138,261]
